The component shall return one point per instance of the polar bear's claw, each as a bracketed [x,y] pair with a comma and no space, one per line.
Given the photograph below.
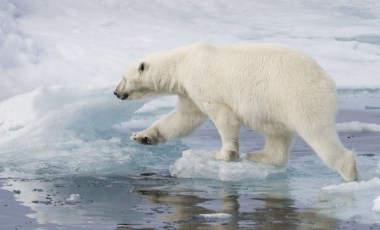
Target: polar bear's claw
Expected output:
[144,140]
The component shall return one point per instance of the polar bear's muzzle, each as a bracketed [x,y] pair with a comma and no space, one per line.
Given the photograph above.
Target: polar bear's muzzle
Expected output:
[121,96]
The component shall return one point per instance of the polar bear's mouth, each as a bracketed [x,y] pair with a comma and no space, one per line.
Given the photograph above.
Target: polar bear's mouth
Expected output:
[123,96]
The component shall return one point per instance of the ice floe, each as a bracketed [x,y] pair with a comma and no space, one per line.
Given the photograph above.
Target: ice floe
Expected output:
[374,183]
[201,164]
[357,127]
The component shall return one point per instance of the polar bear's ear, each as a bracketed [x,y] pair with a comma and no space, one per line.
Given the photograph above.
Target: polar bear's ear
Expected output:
[141,67]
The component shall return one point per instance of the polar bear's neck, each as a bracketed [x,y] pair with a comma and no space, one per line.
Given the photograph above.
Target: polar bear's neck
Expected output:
[166,79]
[169,85]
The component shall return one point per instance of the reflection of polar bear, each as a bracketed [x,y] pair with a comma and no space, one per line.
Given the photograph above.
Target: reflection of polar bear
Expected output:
[272,89]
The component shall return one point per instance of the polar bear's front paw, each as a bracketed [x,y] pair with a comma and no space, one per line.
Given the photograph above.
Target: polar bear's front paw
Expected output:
[226,155]
[144,139]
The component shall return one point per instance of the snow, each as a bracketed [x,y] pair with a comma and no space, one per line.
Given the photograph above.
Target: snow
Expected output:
[45,43]
[16,48]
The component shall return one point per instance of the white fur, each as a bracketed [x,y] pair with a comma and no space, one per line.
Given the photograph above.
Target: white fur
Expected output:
[273,89]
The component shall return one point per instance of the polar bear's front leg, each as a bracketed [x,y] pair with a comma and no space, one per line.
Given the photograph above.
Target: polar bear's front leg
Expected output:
[183,120]
[228,126]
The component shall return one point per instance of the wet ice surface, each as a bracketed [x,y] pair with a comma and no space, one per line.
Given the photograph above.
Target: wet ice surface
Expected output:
[104,181]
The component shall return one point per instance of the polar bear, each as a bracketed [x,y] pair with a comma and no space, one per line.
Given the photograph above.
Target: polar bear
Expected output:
[273,89]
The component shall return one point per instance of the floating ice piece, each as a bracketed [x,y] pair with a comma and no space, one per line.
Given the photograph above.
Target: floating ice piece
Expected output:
[73,199]
[201,164]
[376,204]
[357,127]
[215,216]
[354,186]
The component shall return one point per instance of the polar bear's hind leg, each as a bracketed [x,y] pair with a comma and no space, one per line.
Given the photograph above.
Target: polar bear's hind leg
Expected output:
[326,143]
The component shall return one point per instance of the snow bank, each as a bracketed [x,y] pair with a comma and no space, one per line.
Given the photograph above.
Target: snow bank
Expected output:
[354,186]
[357,127]
[201,164]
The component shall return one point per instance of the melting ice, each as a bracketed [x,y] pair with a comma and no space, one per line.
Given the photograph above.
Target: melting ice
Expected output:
[200,164]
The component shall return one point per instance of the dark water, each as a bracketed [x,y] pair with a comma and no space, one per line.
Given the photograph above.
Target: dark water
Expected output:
[154,201]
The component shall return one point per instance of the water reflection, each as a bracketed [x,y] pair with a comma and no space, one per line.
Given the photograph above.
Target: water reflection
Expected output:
[260,211]
[156,201]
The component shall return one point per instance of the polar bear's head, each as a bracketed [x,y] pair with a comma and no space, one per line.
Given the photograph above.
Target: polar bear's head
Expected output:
[155,74]
[135,83]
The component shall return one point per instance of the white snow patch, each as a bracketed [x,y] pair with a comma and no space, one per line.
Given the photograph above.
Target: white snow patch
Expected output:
[354,186]
[357,127]
[201,164]
[73,199]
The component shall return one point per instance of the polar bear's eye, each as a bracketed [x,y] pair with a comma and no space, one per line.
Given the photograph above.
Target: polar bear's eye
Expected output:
[142,67]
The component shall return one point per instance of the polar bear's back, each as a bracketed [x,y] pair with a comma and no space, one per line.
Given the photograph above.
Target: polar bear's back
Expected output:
[254,63]
[264,80]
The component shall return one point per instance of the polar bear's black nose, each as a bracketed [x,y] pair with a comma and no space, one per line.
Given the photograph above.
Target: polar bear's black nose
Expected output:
[116,94]
[121,96]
